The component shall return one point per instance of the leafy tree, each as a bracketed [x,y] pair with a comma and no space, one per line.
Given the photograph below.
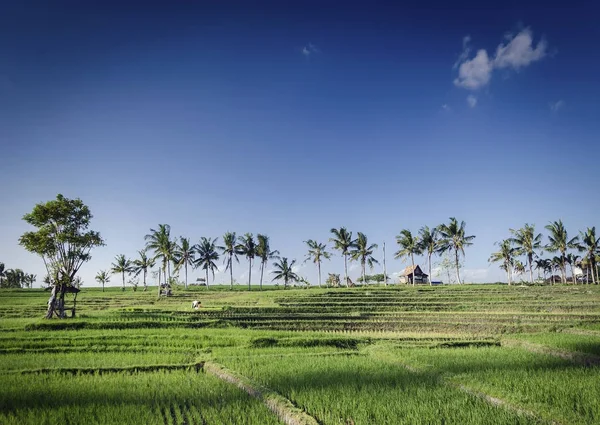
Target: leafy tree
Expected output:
[103,278]
[343,242]
[430,243]
[247,247]
[363,252]
[142,265]
[590,245]
[506,256]
[409,247]
[317,252]
[230,251]
[183,256]
[453,238]
[527,243]
[122,265]
[379,277]
[207,254]
[264,253]
[284,271]
[559,242]
[333,280]
[63,241]
[159,242]
[15,278]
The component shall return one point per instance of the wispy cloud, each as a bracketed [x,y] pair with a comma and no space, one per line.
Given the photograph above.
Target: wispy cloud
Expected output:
[471,100]
[309,50]
[517,53]
[445,107]
[555,106]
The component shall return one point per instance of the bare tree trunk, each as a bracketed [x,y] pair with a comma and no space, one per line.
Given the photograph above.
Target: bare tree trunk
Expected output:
[457,268]
[319,269]
[530,270]
[185,275]
[231,272]
[429,261]
[145,285]
[346,270]
[123,274]
[363,273]
[159,281]
[262,268]
[249,272]
[207,286]
[102,286]
[52,302]
[509,274]
[412,259]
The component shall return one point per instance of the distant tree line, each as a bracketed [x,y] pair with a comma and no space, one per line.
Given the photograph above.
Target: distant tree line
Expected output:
[15,278]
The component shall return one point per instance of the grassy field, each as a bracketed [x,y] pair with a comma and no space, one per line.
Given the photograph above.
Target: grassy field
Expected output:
[471,354]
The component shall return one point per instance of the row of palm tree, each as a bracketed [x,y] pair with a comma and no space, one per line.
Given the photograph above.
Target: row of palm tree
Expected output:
[526,242]
[15,278]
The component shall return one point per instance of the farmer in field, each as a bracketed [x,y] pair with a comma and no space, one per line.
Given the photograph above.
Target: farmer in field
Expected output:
[195,304]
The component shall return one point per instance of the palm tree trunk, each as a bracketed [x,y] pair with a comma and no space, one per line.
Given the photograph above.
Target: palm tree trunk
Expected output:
[412,259]
[319,269]
[508,273]
[102,286]
[262,268]
[159,281]
[231,271]
[123,274]
[145,286]
[249,272]
[457,270]
[346,270]
[530,270]
[429,261]
[563,269]
[186,275]
[207,285]
[363,273]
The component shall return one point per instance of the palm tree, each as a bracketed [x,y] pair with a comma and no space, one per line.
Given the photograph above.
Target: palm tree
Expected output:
[317,252]
[159,241]
[122,265]
[591,246]
[183,256]
[430,243]
[506,255]
[409,246]
[142,265]
[264,253]
[247,247]
[363,252]
[284,271]
[527,243]
[573,260]
[555,264]
[103,277]
[542,264]
[343,242]
[560,242]
[207,255]
[454,239]
[230,251]
[2,273]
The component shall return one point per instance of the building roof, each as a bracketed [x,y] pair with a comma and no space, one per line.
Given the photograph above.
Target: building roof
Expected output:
[410,269]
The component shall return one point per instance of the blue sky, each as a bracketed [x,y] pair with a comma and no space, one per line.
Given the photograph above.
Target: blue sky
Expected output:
[290,119]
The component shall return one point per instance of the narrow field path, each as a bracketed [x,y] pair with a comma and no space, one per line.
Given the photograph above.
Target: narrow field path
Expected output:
[101,370]
[581,359]
[281,406]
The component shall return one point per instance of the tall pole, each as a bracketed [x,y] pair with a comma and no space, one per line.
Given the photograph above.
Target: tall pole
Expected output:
[384,269]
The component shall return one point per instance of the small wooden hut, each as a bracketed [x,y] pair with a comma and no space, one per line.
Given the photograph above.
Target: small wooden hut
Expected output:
[413,273]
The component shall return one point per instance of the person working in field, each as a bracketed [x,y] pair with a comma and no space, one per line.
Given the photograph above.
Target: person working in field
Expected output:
[195,304]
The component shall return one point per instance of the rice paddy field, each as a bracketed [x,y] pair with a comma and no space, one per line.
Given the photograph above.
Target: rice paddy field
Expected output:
[470,354]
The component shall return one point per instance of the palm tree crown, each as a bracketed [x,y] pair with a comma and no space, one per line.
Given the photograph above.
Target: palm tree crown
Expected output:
[284,271]
[230,251]
[409,247]
[247,247]
[142,265]
[183,256]
[558,241]
[207,255]
[429,240]
[316,253]
[343,242]
[363,252]
[505,255]
[159,241]
[102,277]
[590,245]
[122,265]
[527,243]
[453,238]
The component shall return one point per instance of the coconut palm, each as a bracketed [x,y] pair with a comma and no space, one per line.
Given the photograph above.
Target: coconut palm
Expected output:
[316,253]
[453,239]
[343,242]
[159,241]
[409,246]
[103,277]
[542,264]
[247,247]
[206,251]
[230,251]
[122,265]
[559,242]
[573,260]
[2,273]
[284,271]
[590,245]
[142,265]
[527,243]
[264,253]
[363,252]
[505,255]
[430,243]
[183,256]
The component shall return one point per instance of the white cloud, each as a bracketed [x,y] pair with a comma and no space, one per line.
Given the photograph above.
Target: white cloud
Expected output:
[445,107]
[476,72]
[310,49]
[471,100]
[517,53]
[474,275]
[555,106]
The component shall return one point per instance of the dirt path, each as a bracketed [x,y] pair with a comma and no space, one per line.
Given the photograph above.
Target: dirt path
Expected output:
[281,406]
[582,359]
